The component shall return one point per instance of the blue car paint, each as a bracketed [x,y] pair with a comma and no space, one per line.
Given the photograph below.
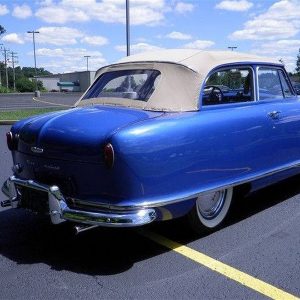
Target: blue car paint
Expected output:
[172,161]
[161,157]
[62,133]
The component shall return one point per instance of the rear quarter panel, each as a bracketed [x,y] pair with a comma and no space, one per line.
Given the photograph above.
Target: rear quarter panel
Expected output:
[181,154]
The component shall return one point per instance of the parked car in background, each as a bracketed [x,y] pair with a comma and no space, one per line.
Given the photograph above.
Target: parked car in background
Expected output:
[159,136]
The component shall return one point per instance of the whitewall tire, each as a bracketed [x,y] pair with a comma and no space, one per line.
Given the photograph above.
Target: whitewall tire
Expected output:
[210,210]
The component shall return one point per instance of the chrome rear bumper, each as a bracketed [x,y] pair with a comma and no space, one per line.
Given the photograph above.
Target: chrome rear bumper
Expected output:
[60,212]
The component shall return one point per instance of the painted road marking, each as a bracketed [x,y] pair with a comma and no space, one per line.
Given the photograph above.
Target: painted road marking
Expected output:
[56,104]
[247,280]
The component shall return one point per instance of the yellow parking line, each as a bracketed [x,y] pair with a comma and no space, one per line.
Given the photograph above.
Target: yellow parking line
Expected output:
[217,266]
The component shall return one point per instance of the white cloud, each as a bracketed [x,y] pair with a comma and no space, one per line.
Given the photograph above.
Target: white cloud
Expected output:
[3,10]
[234,5]
[280,21]
[286,50]
[22,11]
[94,40]
[138,48]
[289,62]
[68,59]
[58,36]
[182,7]
[110,11]
[61,15]
[146,15]
[13,38]
[179,36]
[199,44]
[279,47]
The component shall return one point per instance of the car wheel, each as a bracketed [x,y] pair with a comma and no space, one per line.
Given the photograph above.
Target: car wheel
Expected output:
[210,210]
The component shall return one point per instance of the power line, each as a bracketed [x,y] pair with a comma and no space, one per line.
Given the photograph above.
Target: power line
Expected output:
[5,53]
[13,61]
[33,40]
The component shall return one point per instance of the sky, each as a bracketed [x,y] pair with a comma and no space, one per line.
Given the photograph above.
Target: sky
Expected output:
[72,29]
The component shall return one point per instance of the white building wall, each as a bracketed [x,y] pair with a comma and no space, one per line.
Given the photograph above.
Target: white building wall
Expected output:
[50,84]
[85,78]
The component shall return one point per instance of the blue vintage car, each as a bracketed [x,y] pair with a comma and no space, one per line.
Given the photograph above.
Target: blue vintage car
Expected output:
[159,136]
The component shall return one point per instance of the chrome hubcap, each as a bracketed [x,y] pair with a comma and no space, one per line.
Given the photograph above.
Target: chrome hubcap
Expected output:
[209,205]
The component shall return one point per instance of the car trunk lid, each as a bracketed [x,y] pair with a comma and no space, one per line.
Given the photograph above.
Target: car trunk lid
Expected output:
[77,134]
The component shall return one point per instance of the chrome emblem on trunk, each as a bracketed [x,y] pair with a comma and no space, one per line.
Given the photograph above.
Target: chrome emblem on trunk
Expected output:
[37,150]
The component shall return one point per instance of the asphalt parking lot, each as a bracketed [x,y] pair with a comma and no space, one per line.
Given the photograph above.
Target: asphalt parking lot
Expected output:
[25,100]
[255,256]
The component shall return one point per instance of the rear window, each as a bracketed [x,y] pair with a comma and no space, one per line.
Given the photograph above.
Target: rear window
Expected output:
[129,84]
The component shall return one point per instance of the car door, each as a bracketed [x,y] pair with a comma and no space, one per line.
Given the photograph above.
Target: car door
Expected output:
[239,142]
[283,112]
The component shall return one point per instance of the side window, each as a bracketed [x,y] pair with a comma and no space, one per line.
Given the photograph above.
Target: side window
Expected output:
[272,84]
[285,86]
[229,85]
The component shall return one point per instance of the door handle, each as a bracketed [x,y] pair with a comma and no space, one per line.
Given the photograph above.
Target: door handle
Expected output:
[274,114]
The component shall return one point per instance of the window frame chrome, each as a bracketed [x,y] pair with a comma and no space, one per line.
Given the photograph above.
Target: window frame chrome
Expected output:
[278,68]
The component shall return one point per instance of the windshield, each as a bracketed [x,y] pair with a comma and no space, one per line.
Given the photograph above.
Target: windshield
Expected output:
[130,84]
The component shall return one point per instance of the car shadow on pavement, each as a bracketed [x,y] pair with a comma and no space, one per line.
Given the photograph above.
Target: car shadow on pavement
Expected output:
[29,239]
[243,207]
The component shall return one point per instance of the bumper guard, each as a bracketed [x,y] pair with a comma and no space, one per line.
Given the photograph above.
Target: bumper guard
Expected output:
[60,212]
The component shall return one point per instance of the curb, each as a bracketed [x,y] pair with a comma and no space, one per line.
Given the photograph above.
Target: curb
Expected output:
[8,122]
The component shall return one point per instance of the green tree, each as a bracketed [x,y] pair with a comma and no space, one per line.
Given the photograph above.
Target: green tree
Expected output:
[23,75]
[298,63]
[2,30]
[23,84]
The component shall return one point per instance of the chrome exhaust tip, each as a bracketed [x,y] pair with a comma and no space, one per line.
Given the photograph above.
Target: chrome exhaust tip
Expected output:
[82,228]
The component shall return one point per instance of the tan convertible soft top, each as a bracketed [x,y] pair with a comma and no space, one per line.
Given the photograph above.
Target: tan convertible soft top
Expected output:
[183,72]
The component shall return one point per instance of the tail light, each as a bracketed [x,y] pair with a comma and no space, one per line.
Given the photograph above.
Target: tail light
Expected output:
[12,141]
[109,156]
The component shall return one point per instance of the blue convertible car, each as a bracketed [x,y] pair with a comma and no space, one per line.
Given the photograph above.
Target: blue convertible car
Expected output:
[159,136]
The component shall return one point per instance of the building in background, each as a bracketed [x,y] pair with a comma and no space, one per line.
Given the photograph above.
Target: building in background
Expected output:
[68,82]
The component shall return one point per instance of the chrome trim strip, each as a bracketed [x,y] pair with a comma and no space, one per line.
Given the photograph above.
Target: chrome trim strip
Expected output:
[59,210]
[160,202]
[146,205]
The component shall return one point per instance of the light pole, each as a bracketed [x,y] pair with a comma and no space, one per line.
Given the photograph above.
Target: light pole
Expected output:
[0,70]
[232,47]
[13,61]
[33,39]
[127,28]
[5,51]
[87,61]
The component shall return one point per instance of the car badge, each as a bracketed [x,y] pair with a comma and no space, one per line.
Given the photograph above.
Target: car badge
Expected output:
[37,150]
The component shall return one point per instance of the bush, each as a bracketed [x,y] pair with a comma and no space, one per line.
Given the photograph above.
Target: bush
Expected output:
[23,84]
[3,89]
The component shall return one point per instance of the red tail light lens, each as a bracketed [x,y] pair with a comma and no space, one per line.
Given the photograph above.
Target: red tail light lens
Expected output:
[9,140]
[12,141]
[109,156]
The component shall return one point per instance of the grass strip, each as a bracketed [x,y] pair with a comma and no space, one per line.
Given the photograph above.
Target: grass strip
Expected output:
[24,113]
